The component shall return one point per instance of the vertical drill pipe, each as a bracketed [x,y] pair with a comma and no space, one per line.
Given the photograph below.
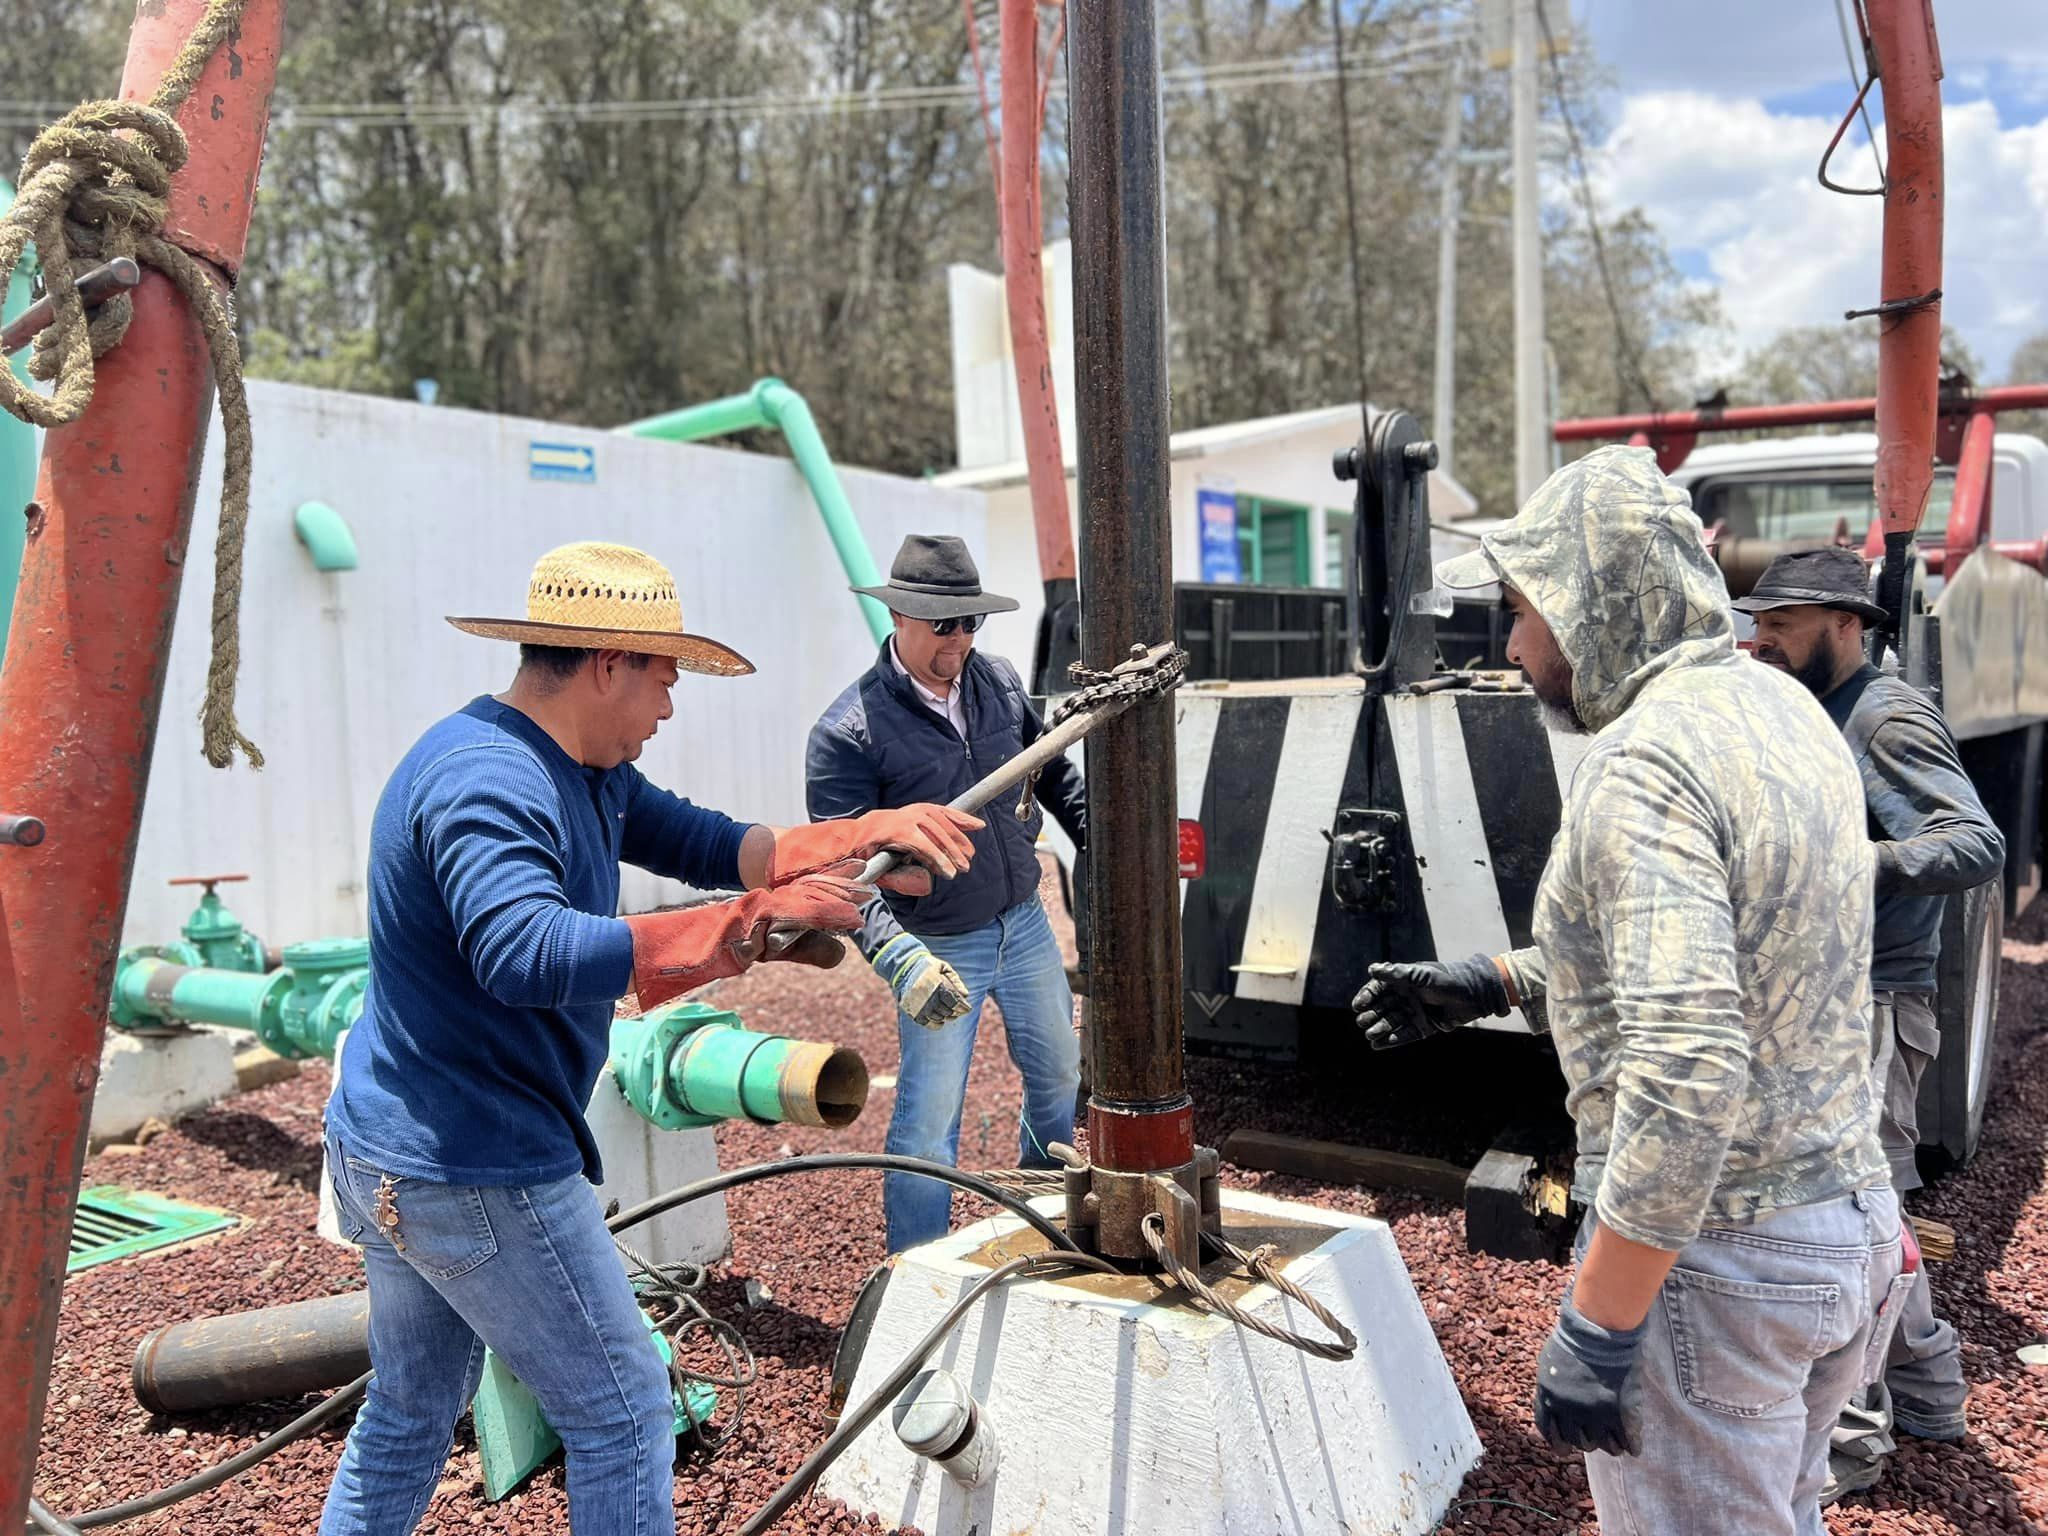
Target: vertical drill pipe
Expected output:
[1909,340]
[82,688]
[1140,1117]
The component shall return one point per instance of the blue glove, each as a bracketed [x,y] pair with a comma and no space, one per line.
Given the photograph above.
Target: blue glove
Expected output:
[1589,1396]
[927,989]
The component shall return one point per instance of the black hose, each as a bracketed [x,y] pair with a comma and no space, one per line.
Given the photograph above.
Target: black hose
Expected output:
[817,1162]
[41,1519]
[319,1416]
[850,1427]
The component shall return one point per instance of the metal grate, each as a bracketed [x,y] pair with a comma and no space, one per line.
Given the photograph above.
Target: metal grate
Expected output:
[116,1223]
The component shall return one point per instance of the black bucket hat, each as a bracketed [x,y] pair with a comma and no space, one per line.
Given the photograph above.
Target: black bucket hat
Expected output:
[1824,578]
[933,577]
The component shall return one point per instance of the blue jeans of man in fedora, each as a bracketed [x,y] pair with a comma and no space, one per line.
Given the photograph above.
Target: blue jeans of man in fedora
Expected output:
[884,743]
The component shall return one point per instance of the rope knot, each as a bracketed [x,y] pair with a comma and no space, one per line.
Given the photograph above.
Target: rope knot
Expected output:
[96,185]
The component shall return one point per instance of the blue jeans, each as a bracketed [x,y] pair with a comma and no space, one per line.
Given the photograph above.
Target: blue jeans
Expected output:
[1016,960]
[532,1273]
[1753,1346]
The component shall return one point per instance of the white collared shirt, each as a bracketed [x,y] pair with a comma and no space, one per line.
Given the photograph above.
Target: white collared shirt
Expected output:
[947,706]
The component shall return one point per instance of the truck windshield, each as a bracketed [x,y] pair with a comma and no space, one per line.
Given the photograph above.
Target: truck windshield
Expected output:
[1793,506]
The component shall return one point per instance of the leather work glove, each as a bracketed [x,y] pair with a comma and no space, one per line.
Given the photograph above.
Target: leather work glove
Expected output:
[1402,1003]
[929,838]
[677,952]
[927,989]
[1589,1395]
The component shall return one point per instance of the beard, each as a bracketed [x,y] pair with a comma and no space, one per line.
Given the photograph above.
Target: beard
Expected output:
[1563,718]
[1816,674]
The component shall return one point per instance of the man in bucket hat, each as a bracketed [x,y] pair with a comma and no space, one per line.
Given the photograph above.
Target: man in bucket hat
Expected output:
[459,1155]
[927,720]
[1702,932]
[1931,839]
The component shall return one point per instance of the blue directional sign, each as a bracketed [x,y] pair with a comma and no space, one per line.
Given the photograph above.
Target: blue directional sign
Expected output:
[573,462]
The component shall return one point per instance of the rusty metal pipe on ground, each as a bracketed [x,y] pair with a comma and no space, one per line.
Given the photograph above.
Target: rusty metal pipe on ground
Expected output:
[245,1357]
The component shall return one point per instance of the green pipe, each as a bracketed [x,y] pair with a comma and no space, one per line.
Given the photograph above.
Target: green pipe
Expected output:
[17,444]
[690,1065]
[298,1010]
[772,403]
[326,535]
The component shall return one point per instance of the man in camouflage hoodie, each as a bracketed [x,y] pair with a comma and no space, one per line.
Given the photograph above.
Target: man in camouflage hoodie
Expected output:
[1703,933]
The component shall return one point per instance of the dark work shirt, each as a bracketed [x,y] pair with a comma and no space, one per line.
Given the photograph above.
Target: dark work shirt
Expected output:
[1931,834]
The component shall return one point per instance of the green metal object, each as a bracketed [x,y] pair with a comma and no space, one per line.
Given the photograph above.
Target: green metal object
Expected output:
[116,1223]
[217,934]
[17,445]
[325,533]
[298,1010]
[691,1065]
[513,1437]
[772,403]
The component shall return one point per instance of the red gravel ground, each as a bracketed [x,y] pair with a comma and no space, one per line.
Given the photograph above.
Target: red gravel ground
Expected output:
[812,1241]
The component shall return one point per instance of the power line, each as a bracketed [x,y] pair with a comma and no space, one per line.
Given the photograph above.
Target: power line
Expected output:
[1625,349]
[1301,69]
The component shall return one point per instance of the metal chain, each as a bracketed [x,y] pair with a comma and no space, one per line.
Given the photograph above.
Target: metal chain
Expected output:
[1095,689]
[1259,1265]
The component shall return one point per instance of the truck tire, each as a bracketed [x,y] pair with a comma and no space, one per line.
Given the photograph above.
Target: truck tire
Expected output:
[1958,1083]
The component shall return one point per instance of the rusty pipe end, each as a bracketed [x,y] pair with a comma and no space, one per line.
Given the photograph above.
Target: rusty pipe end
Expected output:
[823,1085]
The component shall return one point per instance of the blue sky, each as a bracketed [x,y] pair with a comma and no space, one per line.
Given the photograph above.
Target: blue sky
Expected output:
[1718,116]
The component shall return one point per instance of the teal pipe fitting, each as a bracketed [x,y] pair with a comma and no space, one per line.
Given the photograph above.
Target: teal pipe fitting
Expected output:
[17,443]
[297,1011]
[690,1065]
[218,935]
[772,403]
[325,533]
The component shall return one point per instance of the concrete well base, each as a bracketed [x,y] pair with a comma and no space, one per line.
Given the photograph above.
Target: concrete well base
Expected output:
[160,1077]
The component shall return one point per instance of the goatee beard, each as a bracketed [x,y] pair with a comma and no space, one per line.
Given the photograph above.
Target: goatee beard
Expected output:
[1563,718]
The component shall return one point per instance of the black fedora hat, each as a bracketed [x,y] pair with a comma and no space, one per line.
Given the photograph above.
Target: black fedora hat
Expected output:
[933,577]
[1824,578]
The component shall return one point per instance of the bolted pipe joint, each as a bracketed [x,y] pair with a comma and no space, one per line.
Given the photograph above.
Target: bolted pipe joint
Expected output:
[689,1065]
[937,1419]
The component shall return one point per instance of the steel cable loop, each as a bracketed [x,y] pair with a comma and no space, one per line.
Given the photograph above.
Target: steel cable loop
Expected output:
[675,1286]
[1259,1264]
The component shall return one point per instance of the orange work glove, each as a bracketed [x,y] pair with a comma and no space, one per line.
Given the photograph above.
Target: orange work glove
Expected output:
[677,952]
[930,838]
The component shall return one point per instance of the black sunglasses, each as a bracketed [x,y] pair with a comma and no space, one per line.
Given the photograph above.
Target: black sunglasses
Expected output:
[970,622]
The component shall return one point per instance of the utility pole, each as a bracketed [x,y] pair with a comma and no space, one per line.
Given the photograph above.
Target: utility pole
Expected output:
[1444,416]
[1532,426]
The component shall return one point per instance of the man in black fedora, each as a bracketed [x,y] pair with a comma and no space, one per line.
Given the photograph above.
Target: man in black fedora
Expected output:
[1932,839]
[927,720]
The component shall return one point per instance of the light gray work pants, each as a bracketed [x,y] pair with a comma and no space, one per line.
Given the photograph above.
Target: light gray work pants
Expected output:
[1754,1344]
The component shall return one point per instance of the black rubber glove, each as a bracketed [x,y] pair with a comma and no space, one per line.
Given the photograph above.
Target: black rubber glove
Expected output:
[1402,1003]
[1589,1396]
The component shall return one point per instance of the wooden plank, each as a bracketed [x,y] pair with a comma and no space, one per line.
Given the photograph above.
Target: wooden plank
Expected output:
[1337,1162]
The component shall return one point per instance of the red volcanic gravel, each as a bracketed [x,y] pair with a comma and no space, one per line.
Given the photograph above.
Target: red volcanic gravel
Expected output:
[811,1242]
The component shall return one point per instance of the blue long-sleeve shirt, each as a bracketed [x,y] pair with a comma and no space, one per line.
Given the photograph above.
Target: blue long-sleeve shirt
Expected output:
[495,951]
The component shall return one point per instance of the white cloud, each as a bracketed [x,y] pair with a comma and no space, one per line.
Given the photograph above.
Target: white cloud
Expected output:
[1735,182]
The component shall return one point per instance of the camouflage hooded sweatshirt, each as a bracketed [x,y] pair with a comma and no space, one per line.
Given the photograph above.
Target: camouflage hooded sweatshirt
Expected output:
[1703,924]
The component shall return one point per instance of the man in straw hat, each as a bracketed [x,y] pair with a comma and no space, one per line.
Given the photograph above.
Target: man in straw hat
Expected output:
[460,1158]
[1702,931]
[928,719]
[1931,839]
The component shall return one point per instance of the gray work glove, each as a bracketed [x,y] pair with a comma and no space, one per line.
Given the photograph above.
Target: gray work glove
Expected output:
[1589,1395]
[927,989]
[1409,1001]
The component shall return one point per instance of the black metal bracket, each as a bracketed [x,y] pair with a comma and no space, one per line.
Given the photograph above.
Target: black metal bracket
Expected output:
[1365,849]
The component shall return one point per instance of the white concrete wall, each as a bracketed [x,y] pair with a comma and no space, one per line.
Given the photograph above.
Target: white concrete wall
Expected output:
[341,672]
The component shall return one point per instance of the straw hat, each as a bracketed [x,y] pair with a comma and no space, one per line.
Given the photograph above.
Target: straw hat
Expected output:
[599,597]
